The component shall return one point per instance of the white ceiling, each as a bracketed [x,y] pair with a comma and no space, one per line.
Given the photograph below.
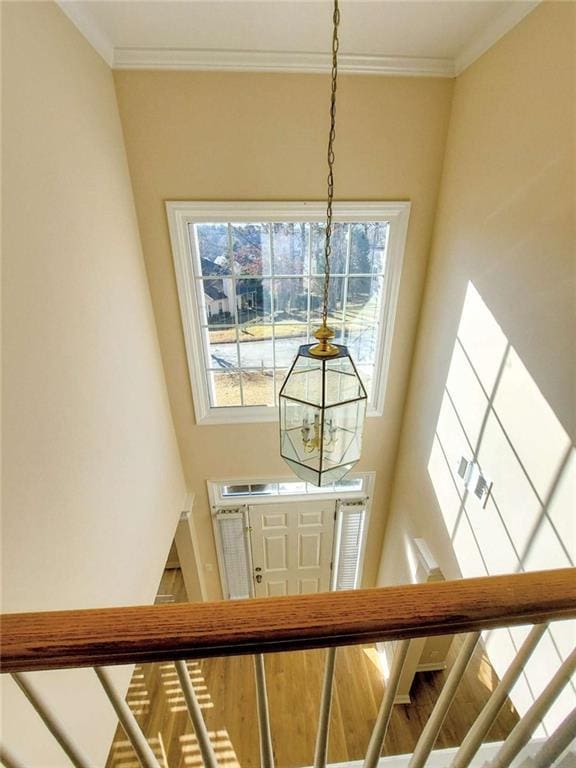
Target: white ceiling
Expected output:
[433,37]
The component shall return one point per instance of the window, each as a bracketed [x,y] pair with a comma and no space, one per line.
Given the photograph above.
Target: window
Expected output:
[288,488]
[264,490]
[233,555]
[250,280]
[350,544]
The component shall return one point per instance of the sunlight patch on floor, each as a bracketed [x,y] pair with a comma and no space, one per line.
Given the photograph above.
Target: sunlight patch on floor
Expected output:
[124,756]
[173,691]
[375,657]
[486,674]
[138,697]
[220,739]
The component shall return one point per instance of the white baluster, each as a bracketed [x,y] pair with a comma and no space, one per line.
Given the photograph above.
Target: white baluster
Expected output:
[50,720]
[568,761]
[475,736]
[432,728]
[381,725]
[204,743]
[9,759]
[523,730]
[553,747]
[266,752]
[325,707]
[137,739]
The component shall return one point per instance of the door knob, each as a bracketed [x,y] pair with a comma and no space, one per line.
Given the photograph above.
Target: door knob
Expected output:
[258,578]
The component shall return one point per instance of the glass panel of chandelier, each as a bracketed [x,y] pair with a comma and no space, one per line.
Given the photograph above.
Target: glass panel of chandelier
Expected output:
[259,288]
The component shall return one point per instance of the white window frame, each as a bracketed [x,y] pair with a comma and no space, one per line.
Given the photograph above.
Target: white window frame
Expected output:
[181,214]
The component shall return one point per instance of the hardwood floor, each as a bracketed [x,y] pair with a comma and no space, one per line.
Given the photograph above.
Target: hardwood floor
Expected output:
[226,692]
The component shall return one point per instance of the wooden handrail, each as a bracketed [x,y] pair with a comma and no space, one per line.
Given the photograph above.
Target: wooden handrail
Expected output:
[63,639]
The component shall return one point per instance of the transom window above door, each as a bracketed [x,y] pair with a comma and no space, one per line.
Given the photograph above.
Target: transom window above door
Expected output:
[250,280]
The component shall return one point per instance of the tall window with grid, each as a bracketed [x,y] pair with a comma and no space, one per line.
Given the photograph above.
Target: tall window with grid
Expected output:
[250,284]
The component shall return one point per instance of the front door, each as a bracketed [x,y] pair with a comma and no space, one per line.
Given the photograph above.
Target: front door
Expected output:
[292,547]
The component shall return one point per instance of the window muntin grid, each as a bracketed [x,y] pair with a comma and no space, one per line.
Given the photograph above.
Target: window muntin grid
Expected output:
[259,287]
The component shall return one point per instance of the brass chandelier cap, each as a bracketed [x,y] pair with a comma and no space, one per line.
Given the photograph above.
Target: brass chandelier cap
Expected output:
[324,348]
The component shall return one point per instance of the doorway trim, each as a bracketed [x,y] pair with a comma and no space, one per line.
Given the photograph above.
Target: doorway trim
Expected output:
[242,502]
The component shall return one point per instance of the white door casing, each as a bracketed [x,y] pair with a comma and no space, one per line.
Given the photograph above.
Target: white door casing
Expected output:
[292,547]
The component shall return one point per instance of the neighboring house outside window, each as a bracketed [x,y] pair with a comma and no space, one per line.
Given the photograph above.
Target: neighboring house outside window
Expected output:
[250,280]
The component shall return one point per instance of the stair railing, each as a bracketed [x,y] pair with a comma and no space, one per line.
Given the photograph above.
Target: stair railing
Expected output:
[101,637]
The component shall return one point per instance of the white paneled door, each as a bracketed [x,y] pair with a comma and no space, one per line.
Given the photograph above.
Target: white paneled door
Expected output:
[292,547]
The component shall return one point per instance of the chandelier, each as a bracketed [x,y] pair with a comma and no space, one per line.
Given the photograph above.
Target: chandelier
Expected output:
[323,400]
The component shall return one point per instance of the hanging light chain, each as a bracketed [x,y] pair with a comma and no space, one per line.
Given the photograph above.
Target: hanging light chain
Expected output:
[331,138]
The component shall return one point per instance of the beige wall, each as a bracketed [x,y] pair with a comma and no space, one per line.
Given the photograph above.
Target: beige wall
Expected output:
[93,484]
[238,136]
[495,360]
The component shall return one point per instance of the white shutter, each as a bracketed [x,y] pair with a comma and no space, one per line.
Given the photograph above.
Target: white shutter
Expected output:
[351,527]
[231,526]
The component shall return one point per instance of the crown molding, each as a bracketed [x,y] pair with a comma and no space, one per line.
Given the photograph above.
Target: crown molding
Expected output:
[86,25]
[282,61]
[276,61]
[506,21]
